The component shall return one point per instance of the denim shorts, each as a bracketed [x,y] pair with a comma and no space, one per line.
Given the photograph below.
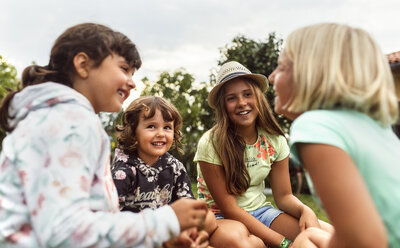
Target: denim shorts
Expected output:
[265,214]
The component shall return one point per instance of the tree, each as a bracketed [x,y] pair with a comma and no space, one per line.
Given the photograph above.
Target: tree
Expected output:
[108,121]
[259,57]
[8,77]
[178,87]
[8,81]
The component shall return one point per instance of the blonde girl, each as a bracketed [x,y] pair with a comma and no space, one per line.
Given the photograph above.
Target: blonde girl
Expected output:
[335,82]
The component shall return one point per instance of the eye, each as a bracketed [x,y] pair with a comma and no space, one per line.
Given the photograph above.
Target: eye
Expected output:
[168,127]
[125,68]
[248,94]
[230,98]
[280,67]
[150,127]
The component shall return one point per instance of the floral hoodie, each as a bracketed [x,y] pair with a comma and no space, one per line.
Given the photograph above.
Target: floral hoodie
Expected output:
[56,188]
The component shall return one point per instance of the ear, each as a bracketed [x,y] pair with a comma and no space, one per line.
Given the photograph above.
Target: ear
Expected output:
[81,64]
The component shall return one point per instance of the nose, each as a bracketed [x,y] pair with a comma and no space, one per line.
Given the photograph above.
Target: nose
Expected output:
[160,132]
[131,83]
[242,101]
[271,77]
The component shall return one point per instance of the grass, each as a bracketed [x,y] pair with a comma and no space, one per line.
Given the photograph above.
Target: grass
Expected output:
[306,199]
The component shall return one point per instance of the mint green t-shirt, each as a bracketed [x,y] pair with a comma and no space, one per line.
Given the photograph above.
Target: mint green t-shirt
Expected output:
[258,159]
[375,151]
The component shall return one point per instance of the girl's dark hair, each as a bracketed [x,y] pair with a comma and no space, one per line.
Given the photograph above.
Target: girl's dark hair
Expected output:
[230,146]
[96,40]
[126,133]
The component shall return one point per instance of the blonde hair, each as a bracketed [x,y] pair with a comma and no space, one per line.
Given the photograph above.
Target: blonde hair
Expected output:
[396,77]
[337,66]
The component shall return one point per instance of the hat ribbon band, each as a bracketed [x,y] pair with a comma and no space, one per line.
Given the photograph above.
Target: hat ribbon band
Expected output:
[230,76]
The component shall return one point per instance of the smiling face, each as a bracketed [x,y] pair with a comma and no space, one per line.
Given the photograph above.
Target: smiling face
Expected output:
[241,103]
[154,136]
[282,79]
[108,85]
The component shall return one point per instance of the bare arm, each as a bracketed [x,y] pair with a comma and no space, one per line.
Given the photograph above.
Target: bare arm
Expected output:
[285,200]
[215,179]
[344,196]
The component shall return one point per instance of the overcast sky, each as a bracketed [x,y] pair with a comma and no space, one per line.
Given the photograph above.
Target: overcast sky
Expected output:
[183,33]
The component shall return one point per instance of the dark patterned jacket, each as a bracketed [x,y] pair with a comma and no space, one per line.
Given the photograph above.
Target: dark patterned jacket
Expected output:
[142,186]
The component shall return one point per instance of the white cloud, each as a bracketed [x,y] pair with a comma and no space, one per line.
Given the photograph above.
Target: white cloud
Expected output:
[181,33]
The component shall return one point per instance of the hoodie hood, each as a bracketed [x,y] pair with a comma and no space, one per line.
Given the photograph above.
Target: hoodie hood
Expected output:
[43,95]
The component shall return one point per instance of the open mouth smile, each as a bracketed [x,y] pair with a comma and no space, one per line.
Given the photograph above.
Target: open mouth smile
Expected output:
[124,94]
[158,143]
[243,112]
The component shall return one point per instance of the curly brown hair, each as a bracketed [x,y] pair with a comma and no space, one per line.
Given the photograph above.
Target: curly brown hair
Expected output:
[126,133]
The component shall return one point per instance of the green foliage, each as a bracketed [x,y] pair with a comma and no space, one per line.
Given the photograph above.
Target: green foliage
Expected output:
[259,57]
[178,87]
[8,81]
[8,77]
[109,120]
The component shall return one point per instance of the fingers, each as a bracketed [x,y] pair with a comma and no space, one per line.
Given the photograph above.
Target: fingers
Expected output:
[190,213]
[202,239]
[199,204]
[302,225]
[183,240]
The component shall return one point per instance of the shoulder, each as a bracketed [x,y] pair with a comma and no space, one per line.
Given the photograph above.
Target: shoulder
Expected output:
[329,127]
[325,117]
[120,155]
[316,123]
[277,145]
[172,161]
[64,122]
[206,137]
[275,140]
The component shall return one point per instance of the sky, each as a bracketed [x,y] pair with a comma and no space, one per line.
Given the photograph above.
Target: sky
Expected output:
[174,34]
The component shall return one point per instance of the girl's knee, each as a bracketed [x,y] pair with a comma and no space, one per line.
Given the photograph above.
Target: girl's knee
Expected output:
[234,234]
[249,241]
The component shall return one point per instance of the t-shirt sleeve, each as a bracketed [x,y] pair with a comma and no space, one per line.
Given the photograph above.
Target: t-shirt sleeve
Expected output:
[283,148]
[206,151]
[316,127]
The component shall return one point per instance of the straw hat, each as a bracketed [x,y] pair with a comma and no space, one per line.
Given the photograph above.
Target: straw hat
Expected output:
[231,70]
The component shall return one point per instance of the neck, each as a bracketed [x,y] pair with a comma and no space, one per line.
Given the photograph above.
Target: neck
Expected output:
[248,134]
[149,160]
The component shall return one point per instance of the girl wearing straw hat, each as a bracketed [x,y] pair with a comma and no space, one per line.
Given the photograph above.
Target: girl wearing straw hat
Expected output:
[236,156]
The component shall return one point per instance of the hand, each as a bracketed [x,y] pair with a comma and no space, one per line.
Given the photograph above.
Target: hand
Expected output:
[312,237]
[308,219]
[190,213]
[189,238]
[202,240]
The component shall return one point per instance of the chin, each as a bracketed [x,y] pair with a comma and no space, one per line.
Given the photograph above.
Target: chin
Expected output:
[116,109]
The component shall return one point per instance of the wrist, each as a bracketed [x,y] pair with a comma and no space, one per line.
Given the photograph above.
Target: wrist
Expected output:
[285,243]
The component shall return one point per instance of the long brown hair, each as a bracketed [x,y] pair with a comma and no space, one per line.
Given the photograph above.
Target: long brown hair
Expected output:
[126,132]
[230,146]
[96,40]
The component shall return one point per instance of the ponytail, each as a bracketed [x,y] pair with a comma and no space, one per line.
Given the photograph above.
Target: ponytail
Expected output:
[96,40]
[35,74]
[31,75]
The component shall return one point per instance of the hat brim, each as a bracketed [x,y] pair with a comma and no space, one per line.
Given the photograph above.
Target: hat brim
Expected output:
[261,80]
